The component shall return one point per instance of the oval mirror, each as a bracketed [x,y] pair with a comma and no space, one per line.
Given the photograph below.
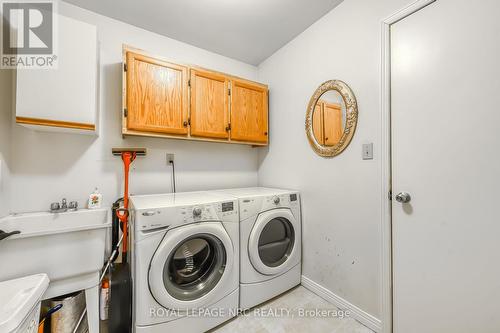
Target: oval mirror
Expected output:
[331,118]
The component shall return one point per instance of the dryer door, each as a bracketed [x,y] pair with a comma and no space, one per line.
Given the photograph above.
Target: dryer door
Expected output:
[192,266]
[273,247]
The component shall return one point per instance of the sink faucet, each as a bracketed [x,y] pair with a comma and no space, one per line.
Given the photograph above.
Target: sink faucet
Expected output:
[62,207]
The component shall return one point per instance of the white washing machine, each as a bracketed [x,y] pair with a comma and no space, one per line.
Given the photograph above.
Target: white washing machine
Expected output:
[185,261]
[270,243]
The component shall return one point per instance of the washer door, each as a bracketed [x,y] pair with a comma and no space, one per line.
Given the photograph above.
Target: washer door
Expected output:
[191,266]
[272,246]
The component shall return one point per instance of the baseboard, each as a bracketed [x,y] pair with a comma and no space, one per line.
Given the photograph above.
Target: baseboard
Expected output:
[363,317]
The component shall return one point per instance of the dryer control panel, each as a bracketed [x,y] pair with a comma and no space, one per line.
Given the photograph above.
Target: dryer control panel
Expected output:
[161,218]
[254,205]
[282,200]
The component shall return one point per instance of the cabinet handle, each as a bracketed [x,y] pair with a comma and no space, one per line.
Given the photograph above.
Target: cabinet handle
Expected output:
[265,133]
[185,123]
[228,127]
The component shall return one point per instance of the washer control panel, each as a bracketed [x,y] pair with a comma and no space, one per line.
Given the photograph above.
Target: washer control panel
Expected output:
[173,216]
[227,206]
[197,211]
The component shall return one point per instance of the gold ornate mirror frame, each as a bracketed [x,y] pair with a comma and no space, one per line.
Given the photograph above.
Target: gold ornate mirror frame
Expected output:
[350,123]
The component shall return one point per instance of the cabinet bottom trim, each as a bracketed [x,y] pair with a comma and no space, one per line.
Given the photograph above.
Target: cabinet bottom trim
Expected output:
[126,132]
[55,123]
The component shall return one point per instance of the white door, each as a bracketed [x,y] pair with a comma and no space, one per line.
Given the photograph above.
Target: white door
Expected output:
[445,88]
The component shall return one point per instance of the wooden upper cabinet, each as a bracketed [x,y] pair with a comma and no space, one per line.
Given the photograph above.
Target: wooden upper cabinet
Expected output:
[333,130]
[209,104]
[168,100]
[157,95]
[249,112]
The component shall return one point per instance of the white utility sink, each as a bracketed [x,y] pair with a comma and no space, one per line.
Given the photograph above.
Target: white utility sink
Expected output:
[69,247]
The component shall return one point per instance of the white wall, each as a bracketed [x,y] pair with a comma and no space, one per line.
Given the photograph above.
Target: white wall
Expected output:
[49,166]
[6,93]
[341,197]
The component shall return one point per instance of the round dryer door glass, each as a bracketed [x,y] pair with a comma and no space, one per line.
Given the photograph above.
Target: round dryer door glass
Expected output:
[194,267]
[276,242]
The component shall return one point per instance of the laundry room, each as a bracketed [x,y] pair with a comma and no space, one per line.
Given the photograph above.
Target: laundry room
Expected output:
[249,166]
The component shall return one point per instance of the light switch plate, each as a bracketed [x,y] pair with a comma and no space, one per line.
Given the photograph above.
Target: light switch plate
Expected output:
[368,151]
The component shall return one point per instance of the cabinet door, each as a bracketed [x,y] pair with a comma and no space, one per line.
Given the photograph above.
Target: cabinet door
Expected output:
[156,95]
[318,123]
[249,112]
[209,104]
[63,99]
[332,125]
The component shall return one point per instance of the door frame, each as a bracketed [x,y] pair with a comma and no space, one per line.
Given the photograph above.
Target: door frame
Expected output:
[386,202]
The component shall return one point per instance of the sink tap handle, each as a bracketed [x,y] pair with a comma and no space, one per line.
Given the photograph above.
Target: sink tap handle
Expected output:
[55,206]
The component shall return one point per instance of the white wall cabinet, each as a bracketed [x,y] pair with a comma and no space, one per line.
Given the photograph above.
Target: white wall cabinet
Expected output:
[66,98]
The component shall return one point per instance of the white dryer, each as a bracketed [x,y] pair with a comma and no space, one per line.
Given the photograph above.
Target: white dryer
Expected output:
[270,242]
[185,261]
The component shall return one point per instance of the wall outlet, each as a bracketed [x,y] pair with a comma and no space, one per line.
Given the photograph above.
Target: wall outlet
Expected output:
[368,151]
[170,158]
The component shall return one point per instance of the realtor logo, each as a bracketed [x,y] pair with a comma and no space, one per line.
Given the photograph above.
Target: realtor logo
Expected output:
[28,34]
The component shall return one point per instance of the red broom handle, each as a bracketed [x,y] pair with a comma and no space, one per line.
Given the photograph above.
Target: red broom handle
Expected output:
[127,158]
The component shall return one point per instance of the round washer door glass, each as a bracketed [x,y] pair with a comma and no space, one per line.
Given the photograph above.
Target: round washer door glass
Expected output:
[194,267]
[276,242]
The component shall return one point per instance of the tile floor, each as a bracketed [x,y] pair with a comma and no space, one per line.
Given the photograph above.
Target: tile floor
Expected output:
[293,301]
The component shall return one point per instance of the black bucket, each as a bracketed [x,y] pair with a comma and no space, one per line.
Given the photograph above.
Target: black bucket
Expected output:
[120,307]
